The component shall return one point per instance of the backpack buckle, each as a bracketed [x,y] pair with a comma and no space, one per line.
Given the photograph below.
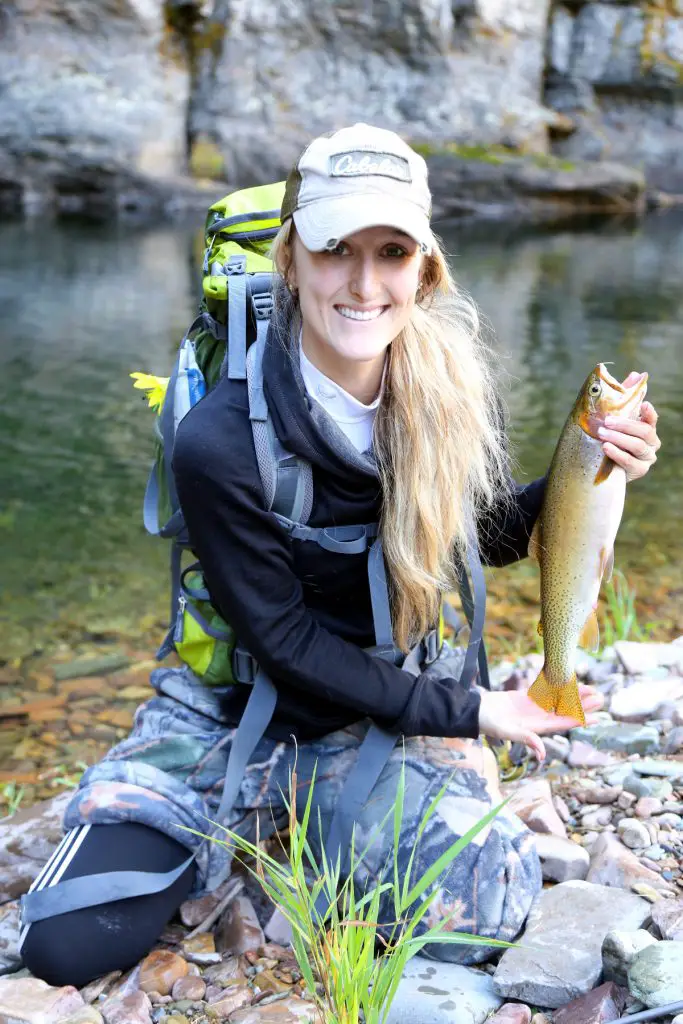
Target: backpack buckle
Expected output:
[263,305]
[244,665]
[235,265]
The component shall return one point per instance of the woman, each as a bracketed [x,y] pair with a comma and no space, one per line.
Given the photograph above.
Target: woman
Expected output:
[373,372]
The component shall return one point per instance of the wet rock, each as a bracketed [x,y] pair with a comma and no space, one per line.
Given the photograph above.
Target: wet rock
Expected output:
[225,974]
[619,949]
[94,989]
[189,987]
[667,915]
[131,1009]
[585,755]
[533,803]
[201,950]
[231,999]
[160,970]
[619,737]
[27,841]
[561,859]
[602,1004]
[641,658]
[633,834]
[638,702]
[238,929]
[511,1013]
[429,991]
[564,958]
[31,1001]
[655,975]
[612,864]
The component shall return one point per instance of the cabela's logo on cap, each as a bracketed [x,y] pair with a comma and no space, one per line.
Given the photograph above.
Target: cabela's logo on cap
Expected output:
[361,162]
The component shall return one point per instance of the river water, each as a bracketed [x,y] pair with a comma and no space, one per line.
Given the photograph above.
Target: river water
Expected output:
[82,305]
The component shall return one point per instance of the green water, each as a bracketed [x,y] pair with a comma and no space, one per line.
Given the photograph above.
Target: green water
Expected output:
[82,305]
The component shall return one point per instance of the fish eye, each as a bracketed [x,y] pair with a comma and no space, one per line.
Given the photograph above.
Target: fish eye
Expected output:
[595,389]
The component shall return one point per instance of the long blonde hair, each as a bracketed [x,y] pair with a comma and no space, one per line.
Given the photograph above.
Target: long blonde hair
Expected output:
[438,439]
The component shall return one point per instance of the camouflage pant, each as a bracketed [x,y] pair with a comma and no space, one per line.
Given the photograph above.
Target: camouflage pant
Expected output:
[170,771]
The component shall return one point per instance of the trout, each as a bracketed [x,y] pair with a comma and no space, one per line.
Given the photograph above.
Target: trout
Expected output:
[573,538]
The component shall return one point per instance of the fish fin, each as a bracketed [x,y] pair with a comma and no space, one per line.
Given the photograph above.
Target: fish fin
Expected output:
[535,542]
[560,700]
[604,470]
[569,701]
[590,634]
[542,693]
[606,564]
[539,629]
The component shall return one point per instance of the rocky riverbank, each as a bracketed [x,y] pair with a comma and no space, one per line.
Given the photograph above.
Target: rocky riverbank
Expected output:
[604,938]
[156,106]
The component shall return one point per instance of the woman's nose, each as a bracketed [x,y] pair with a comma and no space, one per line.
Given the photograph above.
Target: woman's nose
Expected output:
[363,283]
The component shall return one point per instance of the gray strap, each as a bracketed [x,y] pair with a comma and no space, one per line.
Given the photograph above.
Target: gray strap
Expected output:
[253,724]
[475,609]
[242,218]
[379,596]
[373,754]
[344,540]
[93,890]
[237,327]
[167,643]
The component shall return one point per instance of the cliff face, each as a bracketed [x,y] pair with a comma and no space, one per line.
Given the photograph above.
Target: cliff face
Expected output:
[617,70]
[127,103]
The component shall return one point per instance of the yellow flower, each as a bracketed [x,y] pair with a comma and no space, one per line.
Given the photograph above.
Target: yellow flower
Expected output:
[155,388]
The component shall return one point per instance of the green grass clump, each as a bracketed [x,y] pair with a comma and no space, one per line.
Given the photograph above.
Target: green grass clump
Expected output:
[336,947]
[620,618]
[492,154]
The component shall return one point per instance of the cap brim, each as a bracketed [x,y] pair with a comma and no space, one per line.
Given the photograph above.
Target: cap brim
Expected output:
[331,219]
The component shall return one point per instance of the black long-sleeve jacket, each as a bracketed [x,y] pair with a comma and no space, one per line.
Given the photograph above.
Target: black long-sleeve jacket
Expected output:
[304,612]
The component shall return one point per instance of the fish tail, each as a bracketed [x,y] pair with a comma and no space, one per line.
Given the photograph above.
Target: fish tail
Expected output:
[560,700]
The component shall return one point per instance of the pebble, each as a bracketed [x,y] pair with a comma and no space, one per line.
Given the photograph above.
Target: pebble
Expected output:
[86,1015]
[647,806]
[131,1009]
[533,803]
[584,755]
[613,864]
[597,818]
[556,748]
[674,741]
[654,852]
[669,820]
[662,769]
[626,800]
[231,1000]
[160,970]
[561,859]
[287,1011]
[511,1013]
[641,658]
[640,701]
[619,949]
[201,950]
[189,988]
[619,737]
[633,834]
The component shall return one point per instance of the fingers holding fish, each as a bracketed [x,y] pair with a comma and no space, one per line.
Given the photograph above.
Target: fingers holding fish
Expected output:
[632,444]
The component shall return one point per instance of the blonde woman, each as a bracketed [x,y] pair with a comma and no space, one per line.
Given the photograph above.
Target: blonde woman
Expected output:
[375,374]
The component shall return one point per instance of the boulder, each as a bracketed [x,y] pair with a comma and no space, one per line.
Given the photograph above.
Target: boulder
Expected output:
[560,954]
[27,841]
[654,976]
[561,859]
[432,992]
[619,949]
[31,1001]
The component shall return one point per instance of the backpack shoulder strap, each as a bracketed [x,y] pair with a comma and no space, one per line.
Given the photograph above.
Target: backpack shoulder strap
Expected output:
[287,479]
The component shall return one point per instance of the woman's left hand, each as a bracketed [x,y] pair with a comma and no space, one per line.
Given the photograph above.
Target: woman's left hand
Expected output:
[632,444]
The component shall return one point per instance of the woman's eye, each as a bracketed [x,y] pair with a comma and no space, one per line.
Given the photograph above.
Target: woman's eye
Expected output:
[339,249]
[395,251]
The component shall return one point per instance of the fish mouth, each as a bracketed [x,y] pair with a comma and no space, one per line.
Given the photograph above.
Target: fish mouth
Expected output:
[618,399]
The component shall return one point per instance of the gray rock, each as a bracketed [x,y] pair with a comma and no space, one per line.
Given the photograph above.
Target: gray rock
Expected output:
[655,975]
[432,992]
[27,841]
[619,949]
[620,737]
[639,701]
[561,859]
[639,786]
[613,864]
[633,834]
[660,769]
[674,741]
[597,818]
[642,658]
[557,747]
[667,915]
[10,960]
[560,40]
[566,959]
[614,776]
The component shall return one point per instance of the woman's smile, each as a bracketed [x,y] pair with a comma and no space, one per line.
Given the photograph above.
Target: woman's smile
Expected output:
[353,313]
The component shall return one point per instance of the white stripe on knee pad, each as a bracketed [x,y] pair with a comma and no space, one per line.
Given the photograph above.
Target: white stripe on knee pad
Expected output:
[57,865]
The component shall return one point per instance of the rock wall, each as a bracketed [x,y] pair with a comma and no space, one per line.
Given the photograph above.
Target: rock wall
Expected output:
[617,70]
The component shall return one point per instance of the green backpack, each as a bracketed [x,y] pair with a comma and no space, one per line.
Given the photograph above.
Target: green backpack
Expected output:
[236,304]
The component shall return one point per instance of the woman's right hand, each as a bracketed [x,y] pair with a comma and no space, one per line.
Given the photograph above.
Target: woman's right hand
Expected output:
[513,715]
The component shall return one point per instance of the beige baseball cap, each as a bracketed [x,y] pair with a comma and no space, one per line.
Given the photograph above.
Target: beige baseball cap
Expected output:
[355,178]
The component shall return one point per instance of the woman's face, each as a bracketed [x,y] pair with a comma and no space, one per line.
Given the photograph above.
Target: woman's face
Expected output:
[358,297]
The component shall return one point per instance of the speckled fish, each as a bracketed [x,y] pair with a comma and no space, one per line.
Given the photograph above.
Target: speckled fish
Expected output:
[573,538]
